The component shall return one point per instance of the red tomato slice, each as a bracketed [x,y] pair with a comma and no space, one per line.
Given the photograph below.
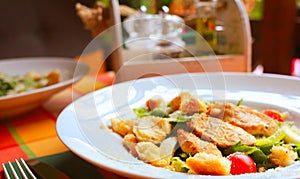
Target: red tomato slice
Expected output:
[153,103]
[241,163]
[274,114]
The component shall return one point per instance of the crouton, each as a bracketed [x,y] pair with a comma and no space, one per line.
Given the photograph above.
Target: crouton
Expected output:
[209,164]
[282,155]
[53,77]
[130,141]
[121,126]
[188,104]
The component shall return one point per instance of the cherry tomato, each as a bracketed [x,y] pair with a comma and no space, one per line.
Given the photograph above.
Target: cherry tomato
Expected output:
[241,163]
[153,103]
[274,114]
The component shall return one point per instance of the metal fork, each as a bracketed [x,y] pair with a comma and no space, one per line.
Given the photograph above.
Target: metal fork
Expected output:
[21,170]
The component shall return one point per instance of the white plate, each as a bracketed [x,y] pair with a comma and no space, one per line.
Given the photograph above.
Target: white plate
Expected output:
[70,72]
[82,126]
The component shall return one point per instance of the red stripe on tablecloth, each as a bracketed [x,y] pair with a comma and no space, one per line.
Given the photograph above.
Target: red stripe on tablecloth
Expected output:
[11,153]
[9,146]
[34,126]
[47,114]
[5,134]
[37,114]
[107,78]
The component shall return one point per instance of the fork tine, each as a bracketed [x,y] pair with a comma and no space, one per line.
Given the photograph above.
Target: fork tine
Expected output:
[21,169]
[13,170]
[28,169]
[7,176]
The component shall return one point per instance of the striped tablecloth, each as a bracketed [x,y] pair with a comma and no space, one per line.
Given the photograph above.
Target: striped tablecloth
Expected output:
[34,134]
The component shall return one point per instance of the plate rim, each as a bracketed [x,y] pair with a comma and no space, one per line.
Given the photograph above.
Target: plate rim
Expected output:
[59,119]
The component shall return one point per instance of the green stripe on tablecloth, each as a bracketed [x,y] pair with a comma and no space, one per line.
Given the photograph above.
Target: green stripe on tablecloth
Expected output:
[19,140]
[68,161]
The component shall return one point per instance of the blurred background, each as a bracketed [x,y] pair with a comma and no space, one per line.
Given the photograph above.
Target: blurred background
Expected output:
[53,28]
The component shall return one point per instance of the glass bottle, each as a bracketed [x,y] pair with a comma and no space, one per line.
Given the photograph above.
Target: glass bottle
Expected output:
[206,24]
[150,5]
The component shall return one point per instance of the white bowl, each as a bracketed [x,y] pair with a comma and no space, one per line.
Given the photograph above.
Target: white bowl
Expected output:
[83,125]
[70,72]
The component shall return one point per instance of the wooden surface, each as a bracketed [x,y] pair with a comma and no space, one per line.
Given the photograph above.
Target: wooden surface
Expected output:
[278,35]
[147,68]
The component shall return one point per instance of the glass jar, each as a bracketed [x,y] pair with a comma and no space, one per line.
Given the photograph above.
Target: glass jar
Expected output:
[206,24]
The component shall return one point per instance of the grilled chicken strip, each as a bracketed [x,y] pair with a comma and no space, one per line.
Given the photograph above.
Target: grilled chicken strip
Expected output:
[191,144]
[219,132]
[250,120]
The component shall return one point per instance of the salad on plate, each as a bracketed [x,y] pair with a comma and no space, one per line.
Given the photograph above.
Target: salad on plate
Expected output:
[190,135]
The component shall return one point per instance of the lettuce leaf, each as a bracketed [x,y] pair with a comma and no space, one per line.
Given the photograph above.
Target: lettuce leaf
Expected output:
[182,119]
[141,112]
[271,140]
[259,157]
[4,87]
[297,149]
[159,113]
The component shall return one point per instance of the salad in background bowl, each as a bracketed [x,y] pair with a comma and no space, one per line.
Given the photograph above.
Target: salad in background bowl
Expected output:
[29,82]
